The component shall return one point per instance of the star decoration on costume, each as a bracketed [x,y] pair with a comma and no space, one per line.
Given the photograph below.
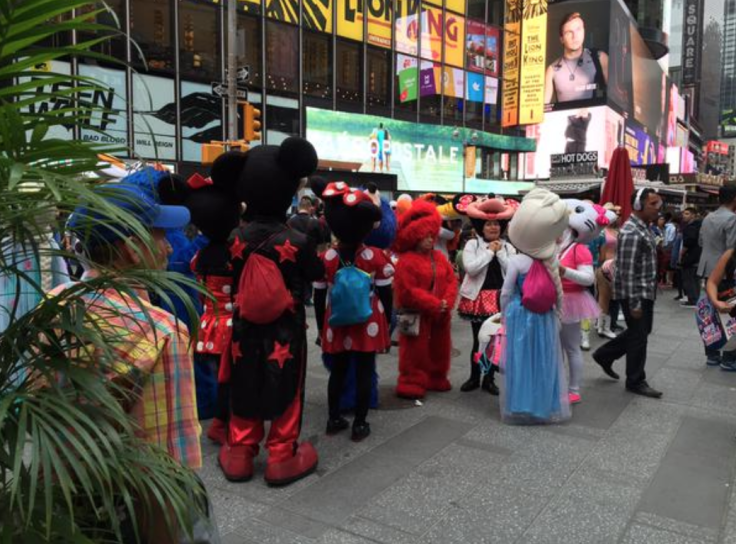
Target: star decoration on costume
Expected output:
[237,354]
[237,247]
[280,354]
[287,252]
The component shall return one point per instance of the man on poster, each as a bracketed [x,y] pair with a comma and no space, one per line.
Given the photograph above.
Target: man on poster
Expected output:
[580,71]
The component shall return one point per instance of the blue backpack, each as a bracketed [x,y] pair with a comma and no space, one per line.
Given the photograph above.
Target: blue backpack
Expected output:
[350,297]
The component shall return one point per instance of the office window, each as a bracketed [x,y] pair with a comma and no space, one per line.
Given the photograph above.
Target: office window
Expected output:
[317,62]
[477,9]
[495,12]
[250,48]
[115,46]
[282,58]
[152,28]
[349,75]
[378,85]
[199,41]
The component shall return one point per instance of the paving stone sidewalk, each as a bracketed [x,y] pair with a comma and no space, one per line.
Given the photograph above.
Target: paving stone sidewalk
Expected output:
[625,469]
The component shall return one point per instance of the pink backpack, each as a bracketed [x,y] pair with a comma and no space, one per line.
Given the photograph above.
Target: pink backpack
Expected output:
[538,294]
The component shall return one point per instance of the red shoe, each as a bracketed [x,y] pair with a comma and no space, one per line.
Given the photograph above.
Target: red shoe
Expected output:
[218,431]
[236,462]
[410,391]
[440,384]
[286,472]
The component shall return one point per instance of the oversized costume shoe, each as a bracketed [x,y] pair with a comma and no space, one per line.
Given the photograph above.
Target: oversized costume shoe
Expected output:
[218,431]
[286,472]
[236,462]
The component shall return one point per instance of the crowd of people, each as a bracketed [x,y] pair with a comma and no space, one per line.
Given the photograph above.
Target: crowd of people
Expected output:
[531,277]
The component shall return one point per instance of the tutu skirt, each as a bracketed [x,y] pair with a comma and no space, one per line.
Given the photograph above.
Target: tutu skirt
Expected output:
[578,306]
[484,306]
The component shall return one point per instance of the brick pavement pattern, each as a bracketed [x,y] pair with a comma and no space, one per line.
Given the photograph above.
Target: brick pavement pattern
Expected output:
[625,470]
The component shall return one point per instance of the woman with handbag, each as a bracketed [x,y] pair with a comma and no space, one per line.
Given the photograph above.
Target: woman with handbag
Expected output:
[485,258]
[425,288]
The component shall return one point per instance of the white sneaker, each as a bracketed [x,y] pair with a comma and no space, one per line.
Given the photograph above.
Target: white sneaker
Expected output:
[585,340]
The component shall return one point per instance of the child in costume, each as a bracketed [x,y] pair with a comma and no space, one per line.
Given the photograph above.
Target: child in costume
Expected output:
[535,389]
[425,291]
[216,214]
[271,267]
[485,258]
[352,333]
[576,270]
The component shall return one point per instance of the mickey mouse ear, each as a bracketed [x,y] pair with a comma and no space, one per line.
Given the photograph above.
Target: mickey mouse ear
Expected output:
[173,190]
[318,185]
[298,157]
[226,169]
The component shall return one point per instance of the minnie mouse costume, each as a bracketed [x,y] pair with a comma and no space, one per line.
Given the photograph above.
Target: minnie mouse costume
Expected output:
[351,215]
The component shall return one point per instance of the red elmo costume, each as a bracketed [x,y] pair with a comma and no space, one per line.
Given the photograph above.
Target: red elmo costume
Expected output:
[423,281]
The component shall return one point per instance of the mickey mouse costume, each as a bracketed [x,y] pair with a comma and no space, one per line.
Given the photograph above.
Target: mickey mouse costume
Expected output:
[351,215]
[269,359]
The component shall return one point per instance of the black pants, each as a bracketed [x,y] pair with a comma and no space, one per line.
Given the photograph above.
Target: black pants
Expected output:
[613,308]
[632,343]
[363,382]
[691,284]
[677,282]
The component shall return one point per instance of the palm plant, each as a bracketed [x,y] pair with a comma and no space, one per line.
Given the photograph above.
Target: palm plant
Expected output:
[71,466]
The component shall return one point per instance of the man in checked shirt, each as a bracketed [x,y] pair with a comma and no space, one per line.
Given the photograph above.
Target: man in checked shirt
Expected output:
[635,286]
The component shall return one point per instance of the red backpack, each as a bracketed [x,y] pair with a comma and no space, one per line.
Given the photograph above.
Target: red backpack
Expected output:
[262,294]
[538,293]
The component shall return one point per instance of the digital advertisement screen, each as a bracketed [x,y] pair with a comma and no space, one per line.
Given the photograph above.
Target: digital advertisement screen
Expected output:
[577,52]
[569,132]
[423,157]
[640,145]
[482,48]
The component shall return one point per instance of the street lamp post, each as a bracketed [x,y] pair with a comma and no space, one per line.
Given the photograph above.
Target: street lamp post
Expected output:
[459,134]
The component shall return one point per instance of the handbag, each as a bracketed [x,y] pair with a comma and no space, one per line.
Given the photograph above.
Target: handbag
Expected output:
[409,320]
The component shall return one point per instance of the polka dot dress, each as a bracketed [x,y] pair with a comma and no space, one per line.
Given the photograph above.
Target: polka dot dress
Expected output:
[373,335]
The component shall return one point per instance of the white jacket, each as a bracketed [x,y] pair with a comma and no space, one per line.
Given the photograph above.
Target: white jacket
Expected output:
[476,258]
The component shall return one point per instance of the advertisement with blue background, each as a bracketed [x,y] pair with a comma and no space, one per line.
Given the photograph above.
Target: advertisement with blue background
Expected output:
[423,157]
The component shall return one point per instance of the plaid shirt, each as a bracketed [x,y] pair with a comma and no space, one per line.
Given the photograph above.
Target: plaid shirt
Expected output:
[636,264]
[158,360]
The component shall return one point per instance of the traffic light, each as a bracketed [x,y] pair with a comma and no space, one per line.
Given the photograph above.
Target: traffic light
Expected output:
[251,122]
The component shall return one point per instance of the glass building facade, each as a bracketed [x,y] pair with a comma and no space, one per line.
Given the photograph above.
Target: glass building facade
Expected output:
[425,61]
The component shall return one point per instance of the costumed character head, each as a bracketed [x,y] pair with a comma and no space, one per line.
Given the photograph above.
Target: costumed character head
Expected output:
[350,213]
[384,233]
[212,202]
[490,216]
[613,212]
[586,221]
[267,177]
[419,227]
[403,203]
[538,223]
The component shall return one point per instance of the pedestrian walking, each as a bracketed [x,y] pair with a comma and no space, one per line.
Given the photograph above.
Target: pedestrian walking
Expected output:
[690,256]
[635,287]
[717,235]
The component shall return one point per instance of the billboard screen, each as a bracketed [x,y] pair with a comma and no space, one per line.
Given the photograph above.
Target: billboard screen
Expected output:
[423,157]
[577,52]
[640,145]
[482,48]
[569,132]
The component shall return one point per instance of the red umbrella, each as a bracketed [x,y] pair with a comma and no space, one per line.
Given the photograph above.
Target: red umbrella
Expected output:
[619,185]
